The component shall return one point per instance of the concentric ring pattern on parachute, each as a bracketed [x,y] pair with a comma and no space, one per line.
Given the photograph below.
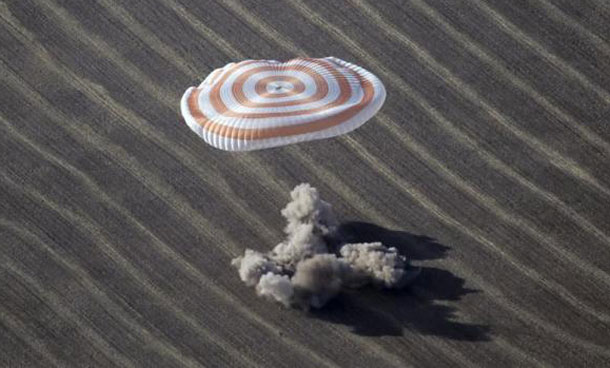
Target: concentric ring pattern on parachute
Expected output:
[257,104]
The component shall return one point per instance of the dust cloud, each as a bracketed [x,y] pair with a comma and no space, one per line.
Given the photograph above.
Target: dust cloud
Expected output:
[313,264]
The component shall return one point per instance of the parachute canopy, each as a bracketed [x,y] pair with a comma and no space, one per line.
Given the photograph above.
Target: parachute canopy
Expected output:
[256,104]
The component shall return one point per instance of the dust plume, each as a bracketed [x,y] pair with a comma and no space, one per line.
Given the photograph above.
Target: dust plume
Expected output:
[313,264]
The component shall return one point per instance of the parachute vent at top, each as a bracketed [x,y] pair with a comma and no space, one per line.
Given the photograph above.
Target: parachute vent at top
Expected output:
[256,104]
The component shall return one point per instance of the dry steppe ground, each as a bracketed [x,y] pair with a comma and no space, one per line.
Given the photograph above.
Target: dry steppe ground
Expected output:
[488,166]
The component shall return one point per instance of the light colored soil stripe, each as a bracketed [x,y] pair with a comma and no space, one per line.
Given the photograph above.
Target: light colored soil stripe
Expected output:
[516,222]
[558,160]
[505,169]
[468,141]
[535,46]
[503,70]
[163,347]
[204,30]
[559,16]
[99,237]
[54,301]
[23,332]
[135,27]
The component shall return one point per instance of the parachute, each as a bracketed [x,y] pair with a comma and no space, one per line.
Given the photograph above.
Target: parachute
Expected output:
[257,104]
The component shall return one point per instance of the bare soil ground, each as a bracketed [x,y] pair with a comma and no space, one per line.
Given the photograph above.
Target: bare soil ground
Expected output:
[488,166]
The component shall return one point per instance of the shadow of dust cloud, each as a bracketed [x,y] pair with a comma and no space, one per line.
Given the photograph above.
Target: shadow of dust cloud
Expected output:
[373,312]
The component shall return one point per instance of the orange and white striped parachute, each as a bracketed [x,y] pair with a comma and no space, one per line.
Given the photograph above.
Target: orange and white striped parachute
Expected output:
[257,104]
